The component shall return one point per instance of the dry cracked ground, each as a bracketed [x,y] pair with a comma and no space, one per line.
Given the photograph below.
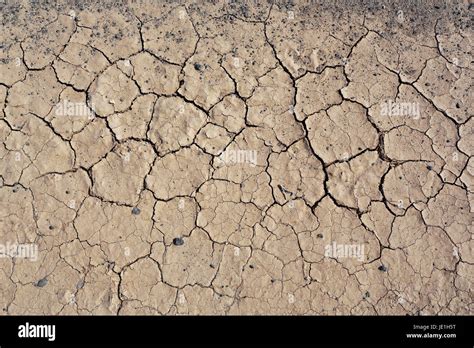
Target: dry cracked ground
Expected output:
[236,157]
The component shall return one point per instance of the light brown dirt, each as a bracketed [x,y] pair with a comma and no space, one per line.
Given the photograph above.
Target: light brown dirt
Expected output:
[212,158]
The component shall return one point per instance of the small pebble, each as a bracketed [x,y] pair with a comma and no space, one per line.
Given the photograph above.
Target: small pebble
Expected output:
[178,241]
[41,283]
[135,211]
[320,235]
[382,268]
[197,66]
[80,284]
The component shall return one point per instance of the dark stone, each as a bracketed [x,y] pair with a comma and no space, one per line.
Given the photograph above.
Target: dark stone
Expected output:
[197,66]
[135,211]
[178,241]
[382,268]
[42,282]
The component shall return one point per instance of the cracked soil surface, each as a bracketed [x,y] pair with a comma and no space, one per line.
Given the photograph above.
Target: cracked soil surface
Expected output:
[236,157]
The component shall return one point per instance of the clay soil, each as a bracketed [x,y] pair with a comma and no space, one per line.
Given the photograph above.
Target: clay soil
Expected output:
[247,157]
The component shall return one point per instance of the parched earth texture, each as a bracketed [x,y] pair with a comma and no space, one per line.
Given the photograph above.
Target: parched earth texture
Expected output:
[235,157]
